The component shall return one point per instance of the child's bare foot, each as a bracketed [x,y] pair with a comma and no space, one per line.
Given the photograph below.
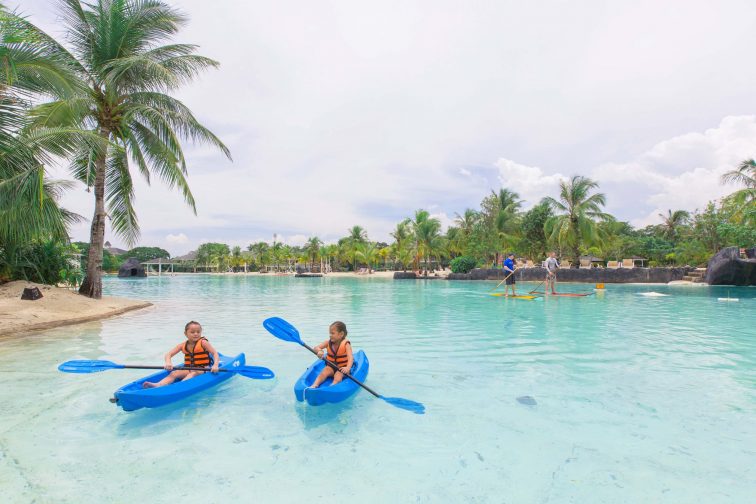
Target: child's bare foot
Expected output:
[148,385]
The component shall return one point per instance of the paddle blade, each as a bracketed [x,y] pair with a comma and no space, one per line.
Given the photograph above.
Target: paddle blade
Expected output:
[282,330]
[405,404]
[255,372]
[88,366]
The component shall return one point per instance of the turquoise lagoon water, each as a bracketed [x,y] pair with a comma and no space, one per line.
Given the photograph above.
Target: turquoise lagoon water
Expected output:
[639,399]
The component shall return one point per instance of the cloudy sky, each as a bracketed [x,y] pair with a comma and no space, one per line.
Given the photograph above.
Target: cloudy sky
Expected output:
[345,113]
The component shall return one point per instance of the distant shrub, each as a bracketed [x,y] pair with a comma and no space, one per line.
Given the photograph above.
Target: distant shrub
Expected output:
[462,264]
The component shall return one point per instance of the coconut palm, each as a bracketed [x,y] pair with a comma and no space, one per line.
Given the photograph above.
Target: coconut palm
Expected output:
[427,233]
[576,225]
[368,253]
[312,249]
[672,222]
[356,236]
[28,199]
[745,175]
[118,58]
[402,233]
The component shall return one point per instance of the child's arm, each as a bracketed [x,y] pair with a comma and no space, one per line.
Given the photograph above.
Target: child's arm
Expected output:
[216,359]
[350,359]
[173,351]
[320,348]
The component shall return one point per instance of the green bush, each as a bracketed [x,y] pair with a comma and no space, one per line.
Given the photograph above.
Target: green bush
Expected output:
[462,264]
[47,262]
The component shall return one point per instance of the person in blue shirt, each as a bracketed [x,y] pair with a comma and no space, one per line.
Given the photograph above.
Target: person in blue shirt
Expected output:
[509,268]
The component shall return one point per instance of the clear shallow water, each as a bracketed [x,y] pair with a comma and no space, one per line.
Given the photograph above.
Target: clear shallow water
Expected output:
[639,399]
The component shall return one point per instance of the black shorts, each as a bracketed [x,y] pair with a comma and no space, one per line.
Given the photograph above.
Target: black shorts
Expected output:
[511,280]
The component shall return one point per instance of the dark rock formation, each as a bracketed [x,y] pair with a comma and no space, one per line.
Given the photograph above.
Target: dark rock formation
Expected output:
[404,275]
[131,269]
[31,293]
[727,268]
[308,275]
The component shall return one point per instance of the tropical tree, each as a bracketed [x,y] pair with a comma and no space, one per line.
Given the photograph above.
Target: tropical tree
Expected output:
[357,235]
[312,249]
[744,199]
[672,222]
[28,199]
[426,230]
[125,74]
[575,224]
[402,233]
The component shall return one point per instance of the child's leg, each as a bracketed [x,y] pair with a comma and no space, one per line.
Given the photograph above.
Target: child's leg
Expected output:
[172,377]
[337,378]
[327,371]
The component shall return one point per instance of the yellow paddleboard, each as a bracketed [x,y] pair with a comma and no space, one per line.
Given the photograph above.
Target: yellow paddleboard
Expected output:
[501,294]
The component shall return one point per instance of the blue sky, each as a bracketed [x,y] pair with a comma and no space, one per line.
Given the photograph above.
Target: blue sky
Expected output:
[344,113]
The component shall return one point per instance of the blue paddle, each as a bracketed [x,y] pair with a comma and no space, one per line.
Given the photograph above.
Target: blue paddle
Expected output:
[95,366]
[282,330]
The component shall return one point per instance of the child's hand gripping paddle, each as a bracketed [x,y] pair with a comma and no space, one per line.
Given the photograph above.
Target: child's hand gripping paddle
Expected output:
[95,366]
[282,330]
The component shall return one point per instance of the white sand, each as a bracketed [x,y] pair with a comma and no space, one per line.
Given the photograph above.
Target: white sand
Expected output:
[57,307]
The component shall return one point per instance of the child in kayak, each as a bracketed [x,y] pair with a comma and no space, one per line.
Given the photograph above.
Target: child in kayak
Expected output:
[339,352]
[197,353]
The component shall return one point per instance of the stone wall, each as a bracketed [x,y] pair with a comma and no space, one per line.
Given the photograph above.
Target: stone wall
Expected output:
[592,275]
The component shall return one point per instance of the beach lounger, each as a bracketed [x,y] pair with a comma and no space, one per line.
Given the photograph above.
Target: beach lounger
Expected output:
[565,265]
[628,263]
[585,263]
[613,264]
[529,264]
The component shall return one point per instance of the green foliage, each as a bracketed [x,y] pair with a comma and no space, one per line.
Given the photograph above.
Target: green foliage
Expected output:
[143,254]
[534,242]
[215,256]
[46,262]
[462,264]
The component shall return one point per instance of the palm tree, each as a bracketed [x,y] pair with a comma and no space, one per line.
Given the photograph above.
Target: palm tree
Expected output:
[28,199]
[672,222]
[357,235]
[576,225]
[402,232]
[126,75]
[427,233]
[744,175]
[312,248]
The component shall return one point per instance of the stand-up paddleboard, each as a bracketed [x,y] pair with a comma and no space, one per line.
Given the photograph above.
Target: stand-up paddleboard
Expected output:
[501,294]
[564,294]
[653,294]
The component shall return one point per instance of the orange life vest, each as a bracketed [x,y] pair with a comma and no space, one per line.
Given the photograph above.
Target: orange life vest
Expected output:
[338,355]
[199,357]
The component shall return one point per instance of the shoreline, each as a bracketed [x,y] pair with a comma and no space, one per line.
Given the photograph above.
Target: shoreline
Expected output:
[58,307]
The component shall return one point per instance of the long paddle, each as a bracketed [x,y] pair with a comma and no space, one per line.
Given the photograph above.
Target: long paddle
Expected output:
[505,279]
[282,330]
[95,366]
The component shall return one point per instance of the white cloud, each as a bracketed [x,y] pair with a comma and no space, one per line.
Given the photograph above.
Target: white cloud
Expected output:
[682,173]
[177,239]
[528,181]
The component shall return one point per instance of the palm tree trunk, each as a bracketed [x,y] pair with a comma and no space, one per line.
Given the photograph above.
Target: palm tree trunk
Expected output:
[91,286]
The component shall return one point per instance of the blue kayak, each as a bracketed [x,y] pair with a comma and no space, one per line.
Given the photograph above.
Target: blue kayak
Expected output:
[133,397]
[327,393]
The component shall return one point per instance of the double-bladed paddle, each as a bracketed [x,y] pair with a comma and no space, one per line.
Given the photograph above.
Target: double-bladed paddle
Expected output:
[282,330]
[95,366]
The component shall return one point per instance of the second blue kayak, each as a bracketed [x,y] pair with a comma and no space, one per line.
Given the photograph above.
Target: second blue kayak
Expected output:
[327,393]
[133,397]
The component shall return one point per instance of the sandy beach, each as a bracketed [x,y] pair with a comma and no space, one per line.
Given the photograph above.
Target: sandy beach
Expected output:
[58,307]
